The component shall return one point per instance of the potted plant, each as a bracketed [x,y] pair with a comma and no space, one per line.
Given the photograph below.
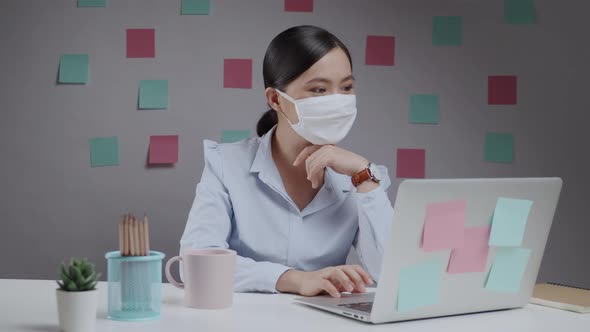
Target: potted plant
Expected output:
[77,296]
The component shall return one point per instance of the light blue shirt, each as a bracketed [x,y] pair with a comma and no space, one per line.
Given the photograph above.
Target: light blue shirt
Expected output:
[241,204]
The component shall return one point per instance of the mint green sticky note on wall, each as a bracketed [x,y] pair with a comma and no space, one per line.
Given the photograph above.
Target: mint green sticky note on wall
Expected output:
[153,94]
[519,11]
[507,270]
[195,7]
[424,109]
[419,285]
[92,3]
[509,221]
[104,151]
[73,68]
[447,30]
[230,136]
[499,148]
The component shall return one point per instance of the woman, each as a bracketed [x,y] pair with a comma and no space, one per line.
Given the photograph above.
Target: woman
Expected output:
[286,201]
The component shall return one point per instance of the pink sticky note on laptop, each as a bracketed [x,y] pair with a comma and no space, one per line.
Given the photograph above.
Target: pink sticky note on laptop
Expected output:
[444,225]
[163,150]
[473,257]
[237,73]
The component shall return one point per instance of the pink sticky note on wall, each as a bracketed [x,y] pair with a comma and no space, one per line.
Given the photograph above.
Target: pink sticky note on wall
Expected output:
[502,90]
[473,257]
[163,149]
[141,43]
[444,225]
[380,51]
[411,163]
[305,6]
[237,73]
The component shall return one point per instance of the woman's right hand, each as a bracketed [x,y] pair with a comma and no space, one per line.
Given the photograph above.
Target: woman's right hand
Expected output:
[332,280]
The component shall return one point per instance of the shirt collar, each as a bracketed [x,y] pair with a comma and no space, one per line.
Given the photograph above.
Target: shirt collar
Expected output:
[264,153]
[336,186]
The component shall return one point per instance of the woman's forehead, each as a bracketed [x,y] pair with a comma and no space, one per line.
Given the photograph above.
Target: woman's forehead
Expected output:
[334,67]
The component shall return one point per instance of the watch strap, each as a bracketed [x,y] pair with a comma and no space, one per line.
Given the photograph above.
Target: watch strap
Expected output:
[361,177]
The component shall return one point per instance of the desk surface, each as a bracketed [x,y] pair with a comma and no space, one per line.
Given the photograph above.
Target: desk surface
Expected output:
[30,305]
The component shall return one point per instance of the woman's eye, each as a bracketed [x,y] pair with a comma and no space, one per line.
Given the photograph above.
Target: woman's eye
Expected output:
[348,88]
[318,90]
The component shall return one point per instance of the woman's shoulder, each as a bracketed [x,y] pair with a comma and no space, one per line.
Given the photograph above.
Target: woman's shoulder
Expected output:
[235,155]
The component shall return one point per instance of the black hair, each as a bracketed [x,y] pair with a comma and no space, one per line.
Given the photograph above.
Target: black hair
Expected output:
[288,55]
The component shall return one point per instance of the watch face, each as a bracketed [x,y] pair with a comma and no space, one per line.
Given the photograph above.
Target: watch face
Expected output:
[375,171]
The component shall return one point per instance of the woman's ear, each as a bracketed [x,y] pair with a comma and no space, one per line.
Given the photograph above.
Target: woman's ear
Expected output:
[272,98]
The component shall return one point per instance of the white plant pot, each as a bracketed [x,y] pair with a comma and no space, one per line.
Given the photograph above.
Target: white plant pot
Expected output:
[77,310]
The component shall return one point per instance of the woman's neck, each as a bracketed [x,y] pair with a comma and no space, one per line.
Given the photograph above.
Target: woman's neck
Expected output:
[287,144]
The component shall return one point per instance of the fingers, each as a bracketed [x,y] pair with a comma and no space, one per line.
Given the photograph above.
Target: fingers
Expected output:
[306,152]
[330,288]
[355,277]
[366,277]
[333,280]
[316,164]
[310,159]
[342,279]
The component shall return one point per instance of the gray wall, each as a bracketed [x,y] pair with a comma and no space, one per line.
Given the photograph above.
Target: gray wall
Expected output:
[53,205]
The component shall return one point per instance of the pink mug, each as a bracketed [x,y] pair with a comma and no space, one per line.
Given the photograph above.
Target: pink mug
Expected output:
[208,276]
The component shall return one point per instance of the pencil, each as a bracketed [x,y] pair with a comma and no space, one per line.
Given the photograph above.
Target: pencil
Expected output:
[137,239]
[141,238]
[126,235]
[131,237]
[121,249]
[136,233]
[136,226]
[147,235]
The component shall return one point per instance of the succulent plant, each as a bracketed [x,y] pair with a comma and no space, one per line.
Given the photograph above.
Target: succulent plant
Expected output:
[79,276]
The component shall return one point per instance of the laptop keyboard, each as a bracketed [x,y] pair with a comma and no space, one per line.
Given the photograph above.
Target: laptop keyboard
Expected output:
[361,306]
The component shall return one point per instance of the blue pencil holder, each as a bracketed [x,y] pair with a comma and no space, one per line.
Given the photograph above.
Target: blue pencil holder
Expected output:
[134,286]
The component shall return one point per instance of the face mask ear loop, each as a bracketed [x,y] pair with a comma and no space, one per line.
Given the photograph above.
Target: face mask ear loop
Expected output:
[286,118]
[286,96]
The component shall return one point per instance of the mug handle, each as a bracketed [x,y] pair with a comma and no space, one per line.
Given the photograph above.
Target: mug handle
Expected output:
[169,275]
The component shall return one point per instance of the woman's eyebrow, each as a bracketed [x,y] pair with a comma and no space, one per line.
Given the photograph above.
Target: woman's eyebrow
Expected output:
[349,77]
[319,80]
[325,80]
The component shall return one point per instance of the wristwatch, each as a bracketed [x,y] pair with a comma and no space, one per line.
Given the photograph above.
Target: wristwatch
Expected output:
[370,173]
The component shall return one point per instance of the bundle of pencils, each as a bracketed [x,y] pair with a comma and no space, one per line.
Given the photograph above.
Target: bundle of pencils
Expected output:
[134,236]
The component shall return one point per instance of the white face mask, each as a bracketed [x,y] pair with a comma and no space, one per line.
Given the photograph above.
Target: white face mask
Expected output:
[324,119]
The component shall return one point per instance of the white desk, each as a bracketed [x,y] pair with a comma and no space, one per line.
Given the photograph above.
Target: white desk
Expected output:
[30,305]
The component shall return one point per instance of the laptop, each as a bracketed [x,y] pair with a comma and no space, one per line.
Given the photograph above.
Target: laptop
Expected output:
[458,293]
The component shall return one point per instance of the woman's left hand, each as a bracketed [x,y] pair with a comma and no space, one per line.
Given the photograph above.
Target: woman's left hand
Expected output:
[318,157]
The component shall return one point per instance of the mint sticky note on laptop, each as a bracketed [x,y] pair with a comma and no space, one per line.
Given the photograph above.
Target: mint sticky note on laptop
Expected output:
[508,269]
[509,221]
[73,68]
[104,151]
[230,136]
[419,286]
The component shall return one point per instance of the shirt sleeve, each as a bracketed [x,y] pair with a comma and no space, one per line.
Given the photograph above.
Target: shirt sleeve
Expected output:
[375,218]
[209,226]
